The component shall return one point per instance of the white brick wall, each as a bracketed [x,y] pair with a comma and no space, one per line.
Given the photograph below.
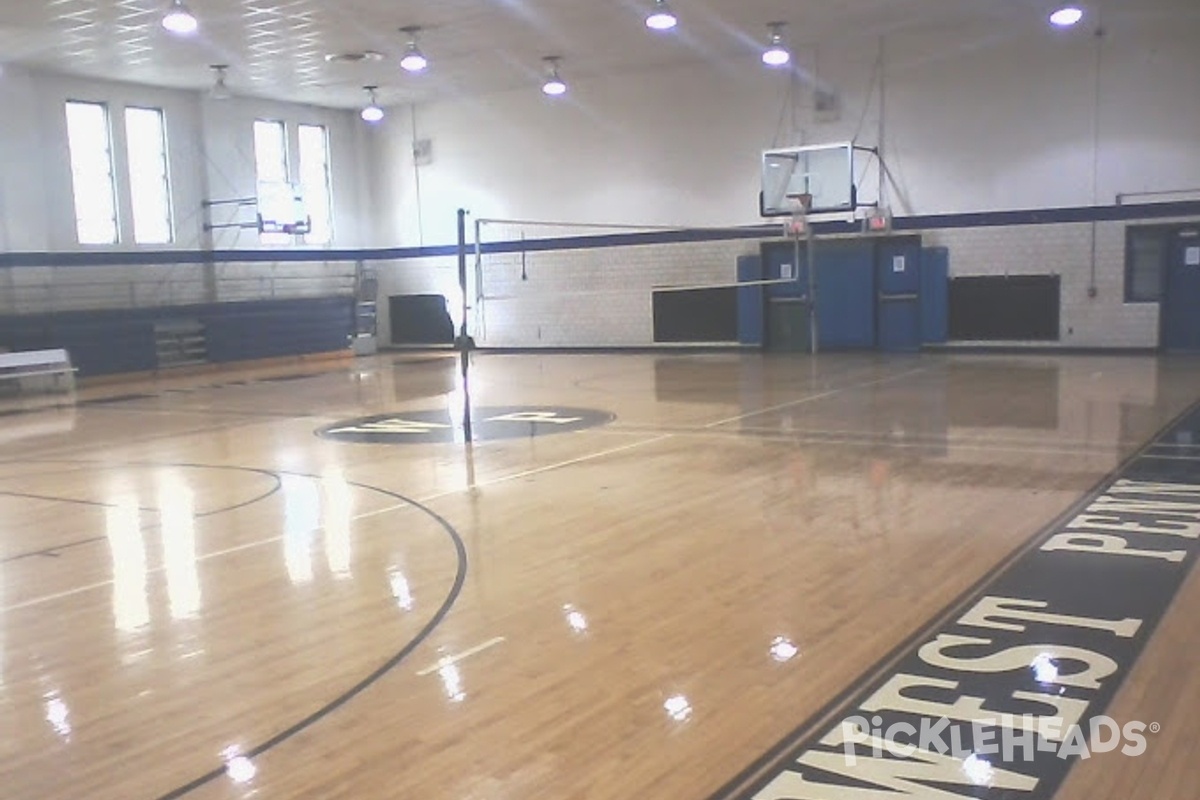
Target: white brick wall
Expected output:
[598,297]
[1104,320]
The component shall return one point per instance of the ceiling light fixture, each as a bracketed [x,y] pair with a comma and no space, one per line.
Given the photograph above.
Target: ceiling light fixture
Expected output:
[372,112]
[219,90]
[180,20]
[414,60]
[661,18]
[1066,17]
[554,85]
[776,55]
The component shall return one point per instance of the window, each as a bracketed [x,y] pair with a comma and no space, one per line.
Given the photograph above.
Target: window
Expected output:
[1146,251]
[271,167]
[314,182]
[149,180]
[92,173]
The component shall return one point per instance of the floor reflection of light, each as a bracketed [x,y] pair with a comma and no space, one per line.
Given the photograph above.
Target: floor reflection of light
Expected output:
[177,515]
[239,768]
[782,649]
[978,770]
[335,518]
[575,619]
[1044,669]
[456,408]
[58,715]
[301,517]
[400,589]
[678,708]
[452,682]
[131,608]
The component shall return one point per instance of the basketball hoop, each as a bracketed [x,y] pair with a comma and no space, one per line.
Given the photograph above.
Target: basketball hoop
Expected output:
[799,205]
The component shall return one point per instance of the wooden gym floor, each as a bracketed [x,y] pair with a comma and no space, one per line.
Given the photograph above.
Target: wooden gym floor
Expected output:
[199,597]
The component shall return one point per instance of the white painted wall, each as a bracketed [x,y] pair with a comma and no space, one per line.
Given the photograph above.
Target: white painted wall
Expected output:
[211,156]
[974,121]
[23,199]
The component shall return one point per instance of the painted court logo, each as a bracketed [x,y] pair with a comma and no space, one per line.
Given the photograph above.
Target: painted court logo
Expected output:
[446,426]
[1009,688]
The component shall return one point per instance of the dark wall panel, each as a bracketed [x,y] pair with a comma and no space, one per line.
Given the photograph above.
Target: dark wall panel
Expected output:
[1005,308]
[696,315]
[420,319]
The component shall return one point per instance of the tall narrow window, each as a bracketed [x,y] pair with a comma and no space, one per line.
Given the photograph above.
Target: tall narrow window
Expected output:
[271,167]
[1146,250]
[314,182]
[149,178]
[92,173]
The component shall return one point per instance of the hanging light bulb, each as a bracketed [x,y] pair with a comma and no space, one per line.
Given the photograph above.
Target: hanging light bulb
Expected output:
[219,90]
[1066,17]
[554,85]
[661,18]
[776,55]
[372,112]
[180,20]
[414,60]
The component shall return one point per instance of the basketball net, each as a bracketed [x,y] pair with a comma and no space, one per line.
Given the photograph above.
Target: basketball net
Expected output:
[800,205]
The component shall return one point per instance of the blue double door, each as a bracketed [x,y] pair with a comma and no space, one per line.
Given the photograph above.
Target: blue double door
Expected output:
[1180,317]
[869,292]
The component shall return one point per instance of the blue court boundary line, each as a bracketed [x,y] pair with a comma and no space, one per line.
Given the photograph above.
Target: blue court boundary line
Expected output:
[979,219]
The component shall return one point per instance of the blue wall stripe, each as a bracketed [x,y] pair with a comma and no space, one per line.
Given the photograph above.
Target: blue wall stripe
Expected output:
[982,219]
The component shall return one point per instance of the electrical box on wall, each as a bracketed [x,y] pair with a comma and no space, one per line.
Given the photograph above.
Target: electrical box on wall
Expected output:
[827,106]
[423,152]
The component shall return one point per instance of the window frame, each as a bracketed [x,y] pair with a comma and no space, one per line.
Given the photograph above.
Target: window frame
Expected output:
[1166,235]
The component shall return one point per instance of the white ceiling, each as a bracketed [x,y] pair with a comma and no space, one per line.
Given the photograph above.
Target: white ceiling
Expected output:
[277,48]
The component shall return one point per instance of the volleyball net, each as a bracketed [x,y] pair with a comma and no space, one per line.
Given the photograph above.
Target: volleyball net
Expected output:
[537,283]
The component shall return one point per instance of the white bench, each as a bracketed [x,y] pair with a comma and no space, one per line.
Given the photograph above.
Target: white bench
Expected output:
[52,367]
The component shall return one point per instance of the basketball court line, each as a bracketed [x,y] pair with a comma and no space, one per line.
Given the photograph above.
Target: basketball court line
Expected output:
[377,512]
[784,438]
[450,661]
[815,397]
[583,384]
[443,610]
[210,412]
[36,455]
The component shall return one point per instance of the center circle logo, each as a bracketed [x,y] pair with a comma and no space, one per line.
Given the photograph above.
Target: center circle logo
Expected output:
[488,423]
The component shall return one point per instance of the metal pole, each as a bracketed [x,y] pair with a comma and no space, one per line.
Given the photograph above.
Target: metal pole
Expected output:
[464,343]
[478,261]
[881,188]
[462,273]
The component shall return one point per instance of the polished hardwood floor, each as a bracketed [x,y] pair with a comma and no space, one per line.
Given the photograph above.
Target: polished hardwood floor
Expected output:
[200,597]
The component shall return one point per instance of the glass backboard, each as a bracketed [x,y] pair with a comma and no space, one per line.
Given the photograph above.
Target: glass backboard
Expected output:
[825,171]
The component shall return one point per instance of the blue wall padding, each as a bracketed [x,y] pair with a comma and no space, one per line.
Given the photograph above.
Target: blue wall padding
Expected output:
[116,341]
[935,294]
[750,301]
